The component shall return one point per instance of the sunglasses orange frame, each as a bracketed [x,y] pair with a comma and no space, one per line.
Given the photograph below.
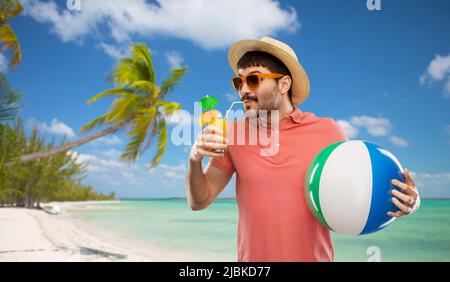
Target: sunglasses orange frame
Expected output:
[252,80]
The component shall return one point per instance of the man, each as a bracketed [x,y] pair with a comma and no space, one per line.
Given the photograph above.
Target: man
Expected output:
[274,221]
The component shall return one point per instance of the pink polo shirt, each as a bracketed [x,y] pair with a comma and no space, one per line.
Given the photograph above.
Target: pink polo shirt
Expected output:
[274,221]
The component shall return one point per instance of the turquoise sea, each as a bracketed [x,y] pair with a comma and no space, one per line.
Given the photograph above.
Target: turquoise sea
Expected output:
[211,233]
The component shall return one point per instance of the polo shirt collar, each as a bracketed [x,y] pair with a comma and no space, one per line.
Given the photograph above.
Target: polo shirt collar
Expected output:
[295,117]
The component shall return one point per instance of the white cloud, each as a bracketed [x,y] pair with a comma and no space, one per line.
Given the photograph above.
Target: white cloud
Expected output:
[114,51]
[90,160]
[432,184]
[423,79]
[438,70]
[439,67]
[97,164]
[131,178]
[174,59]
[447,88]
[398,141]
[447,130]
[3,63]
[172,172]
[447,133]
[55,127]
[180,117]
[349,130]
[108,140]
[376,126]
[209,24]
[231,97]
[111,153]
[84,158]
[81,157]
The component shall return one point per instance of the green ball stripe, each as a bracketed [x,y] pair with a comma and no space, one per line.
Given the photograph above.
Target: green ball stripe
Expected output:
[312,181]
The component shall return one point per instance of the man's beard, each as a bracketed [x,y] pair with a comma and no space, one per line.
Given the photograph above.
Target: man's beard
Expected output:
[265,105]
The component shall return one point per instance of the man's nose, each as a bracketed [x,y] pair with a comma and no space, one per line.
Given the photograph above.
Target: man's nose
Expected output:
[245,90]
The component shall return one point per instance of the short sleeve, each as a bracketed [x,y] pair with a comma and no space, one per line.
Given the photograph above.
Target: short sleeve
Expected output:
[224,163]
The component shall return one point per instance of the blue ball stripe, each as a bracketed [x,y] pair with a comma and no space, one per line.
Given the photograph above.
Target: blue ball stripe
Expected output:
[384,169]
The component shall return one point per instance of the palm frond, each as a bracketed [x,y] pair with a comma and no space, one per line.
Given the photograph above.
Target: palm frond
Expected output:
[8,100]
[94,123]
[7,110]
[124,107]
[111,92]
[141,52]
[142,120]
[144,85]
[136,67]
[10,42]
[169,108]
[162,141]
[151,135]
[138,134]
[10,9]
[171,81]
[124,73]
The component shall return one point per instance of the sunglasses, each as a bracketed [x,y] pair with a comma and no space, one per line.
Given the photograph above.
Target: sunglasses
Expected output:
[252,80]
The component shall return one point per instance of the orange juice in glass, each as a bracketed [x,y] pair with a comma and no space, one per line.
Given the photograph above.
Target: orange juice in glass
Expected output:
[221,123]
[214,117]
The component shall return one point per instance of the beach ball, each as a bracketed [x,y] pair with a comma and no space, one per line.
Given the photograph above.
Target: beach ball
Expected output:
[348,187]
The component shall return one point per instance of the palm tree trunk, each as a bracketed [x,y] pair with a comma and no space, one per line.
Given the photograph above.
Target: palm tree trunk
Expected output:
[66,147]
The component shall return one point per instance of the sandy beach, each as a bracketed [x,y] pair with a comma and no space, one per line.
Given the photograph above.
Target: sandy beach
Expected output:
[34,235]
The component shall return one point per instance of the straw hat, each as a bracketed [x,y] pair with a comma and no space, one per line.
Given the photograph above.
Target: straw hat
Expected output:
[300,81]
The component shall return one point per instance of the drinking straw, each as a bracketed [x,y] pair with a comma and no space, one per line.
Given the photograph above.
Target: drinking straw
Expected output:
[232,104]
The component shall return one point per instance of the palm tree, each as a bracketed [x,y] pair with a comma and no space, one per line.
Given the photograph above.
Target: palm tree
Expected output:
[8,99]
[139,106]
[8,39]
[57,177]
[10,9]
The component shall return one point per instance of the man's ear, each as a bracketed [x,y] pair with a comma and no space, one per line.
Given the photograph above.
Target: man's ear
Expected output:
[284,84]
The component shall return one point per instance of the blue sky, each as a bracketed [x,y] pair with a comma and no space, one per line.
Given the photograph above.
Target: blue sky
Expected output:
[383,75]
